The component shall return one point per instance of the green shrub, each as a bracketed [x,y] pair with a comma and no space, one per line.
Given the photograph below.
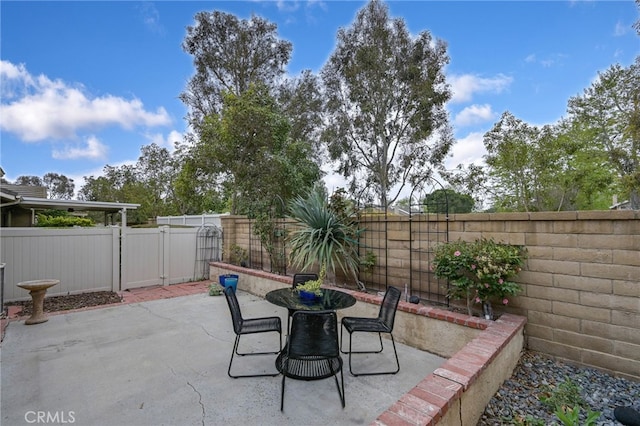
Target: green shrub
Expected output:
[479,271]
[63,221]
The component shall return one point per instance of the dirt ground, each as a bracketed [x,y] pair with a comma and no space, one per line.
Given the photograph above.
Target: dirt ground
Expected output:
[72,301]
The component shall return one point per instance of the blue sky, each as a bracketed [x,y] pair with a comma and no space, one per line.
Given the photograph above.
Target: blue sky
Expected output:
[86,84]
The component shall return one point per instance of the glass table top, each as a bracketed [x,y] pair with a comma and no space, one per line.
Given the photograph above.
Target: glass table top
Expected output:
[330,300]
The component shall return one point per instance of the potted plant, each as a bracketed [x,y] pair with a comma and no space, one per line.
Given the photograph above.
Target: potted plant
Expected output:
[312,289]
[480,271]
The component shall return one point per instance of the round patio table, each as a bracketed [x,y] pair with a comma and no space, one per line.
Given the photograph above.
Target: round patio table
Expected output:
[330,300]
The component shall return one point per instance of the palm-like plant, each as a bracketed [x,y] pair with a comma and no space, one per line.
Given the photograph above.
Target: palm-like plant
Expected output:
[323,236]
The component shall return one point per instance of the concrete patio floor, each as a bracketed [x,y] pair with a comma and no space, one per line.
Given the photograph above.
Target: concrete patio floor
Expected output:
[164,362]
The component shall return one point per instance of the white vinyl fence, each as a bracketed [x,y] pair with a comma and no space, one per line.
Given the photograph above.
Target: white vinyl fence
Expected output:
[83,259]
[97,259]
[192,220]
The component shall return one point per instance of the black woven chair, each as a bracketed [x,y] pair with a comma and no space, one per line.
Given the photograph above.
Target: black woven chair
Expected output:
[312,351]
[382,324]
[250,326]
[299,279]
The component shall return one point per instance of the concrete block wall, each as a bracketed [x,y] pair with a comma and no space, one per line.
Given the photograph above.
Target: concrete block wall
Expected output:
[581,282]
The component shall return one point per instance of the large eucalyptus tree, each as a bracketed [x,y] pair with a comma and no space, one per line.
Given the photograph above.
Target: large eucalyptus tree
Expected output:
[386,124]
[229,54]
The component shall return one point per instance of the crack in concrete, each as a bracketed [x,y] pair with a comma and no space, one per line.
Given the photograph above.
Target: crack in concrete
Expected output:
[199,401]
[202,408]
[146,308]
[214,337]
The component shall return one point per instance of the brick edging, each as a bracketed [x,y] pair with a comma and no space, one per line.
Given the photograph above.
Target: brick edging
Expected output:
[431,399]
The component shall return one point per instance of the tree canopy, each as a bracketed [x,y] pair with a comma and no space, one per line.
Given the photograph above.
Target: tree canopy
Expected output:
[229,54]
[611,108]
[250,142]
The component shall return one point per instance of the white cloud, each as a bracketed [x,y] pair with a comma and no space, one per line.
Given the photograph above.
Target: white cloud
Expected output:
[40,108]
[93,150]
[151,17]
[169,142]
[621,29]
[474,114]
[12,72]
[467,150]
[548,62]
[287,5]
[465,86]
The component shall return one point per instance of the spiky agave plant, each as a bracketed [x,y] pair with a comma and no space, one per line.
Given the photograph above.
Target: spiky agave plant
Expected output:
[322,237]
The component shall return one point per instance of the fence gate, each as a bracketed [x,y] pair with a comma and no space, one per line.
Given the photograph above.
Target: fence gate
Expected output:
[164,255]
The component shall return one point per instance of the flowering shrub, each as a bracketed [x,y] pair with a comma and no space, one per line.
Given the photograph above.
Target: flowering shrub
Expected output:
[479,271]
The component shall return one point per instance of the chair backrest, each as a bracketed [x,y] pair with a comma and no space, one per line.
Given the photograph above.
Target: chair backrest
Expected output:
[389,307]
[299,279]
[314,333]
[234,307]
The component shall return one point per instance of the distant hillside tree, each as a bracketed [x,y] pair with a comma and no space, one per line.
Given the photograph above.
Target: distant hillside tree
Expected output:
[59,186]
[29,181]
[149,183]
[440,199]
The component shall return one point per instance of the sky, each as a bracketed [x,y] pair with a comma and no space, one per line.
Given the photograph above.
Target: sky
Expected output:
[85,84]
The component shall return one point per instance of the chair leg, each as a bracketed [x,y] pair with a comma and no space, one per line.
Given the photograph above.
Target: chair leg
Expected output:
[359,352]
[365,352]
[234,351]
[282,394]
[259,353]
[340,391]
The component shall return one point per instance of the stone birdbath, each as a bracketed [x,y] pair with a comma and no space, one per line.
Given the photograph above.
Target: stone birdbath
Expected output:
[37,289]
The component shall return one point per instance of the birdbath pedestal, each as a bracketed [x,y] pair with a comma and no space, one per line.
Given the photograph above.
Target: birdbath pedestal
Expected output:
[37,289]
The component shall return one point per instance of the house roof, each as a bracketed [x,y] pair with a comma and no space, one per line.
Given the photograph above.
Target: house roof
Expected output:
[9,197]
[103,206]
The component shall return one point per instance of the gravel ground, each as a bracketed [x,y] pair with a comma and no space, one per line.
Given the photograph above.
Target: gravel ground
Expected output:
[537,375]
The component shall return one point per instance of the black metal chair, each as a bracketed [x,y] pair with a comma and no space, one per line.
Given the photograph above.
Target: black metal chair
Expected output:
[382,324]
[299,279]
[250,326]
[312,351]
